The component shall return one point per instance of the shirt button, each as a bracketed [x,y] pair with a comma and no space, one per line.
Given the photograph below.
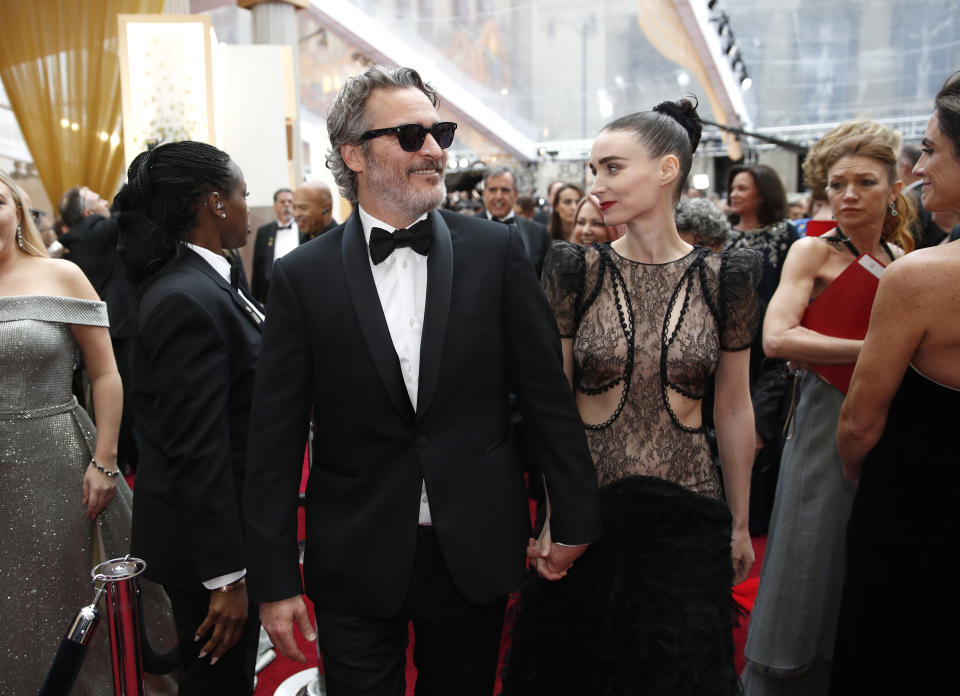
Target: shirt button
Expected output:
[404,264]
[412,322]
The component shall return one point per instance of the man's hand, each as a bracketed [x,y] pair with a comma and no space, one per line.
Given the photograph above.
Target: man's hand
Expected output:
[226,618]
[278,619]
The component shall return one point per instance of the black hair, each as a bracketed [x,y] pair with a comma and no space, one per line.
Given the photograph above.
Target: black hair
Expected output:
[671,128]
[159,204]
[773,196]
[947,106]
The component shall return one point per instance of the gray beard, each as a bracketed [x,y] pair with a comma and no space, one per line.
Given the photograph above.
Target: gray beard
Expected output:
[392,190]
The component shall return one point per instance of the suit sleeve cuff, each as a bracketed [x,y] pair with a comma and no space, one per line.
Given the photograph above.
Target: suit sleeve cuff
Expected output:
[223,580]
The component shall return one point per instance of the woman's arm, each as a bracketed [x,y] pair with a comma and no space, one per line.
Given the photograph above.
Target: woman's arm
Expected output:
[783,337]
[897,326]
[733,419]
[97,489]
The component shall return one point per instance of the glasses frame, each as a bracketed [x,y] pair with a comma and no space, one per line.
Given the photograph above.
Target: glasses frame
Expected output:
[421,134]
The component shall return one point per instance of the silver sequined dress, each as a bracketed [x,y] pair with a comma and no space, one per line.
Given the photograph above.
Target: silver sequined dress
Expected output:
[48,544]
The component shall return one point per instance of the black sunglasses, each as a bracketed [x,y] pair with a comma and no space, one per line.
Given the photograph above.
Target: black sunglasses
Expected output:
[411,135]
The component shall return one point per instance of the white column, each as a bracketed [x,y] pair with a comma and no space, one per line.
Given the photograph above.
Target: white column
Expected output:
[176,7]
[275,23]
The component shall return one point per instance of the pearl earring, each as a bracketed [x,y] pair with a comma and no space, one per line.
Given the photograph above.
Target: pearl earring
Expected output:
[19,236]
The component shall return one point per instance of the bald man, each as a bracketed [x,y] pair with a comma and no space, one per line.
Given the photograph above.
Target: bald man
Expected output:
[313,209]
[301,216]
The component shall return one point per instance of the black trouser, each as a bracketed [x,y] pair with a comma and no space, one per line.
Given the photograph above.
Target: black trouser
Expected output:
[456,643]
[233,673]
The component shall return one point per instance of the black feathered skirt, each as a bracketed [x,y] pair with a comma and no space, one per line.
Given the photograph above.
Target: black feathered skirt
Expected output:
[646,610]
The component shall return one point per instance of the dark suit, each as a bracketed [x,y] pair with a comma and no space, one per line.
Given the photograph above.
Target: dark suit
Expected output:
[327,344]
[263,248]
[536,240]
[195,356]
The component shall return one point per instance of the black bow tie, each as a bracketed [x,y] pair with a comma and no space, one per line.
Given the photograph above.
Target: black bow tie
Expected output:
[418,237]
[285,227]
[505,221]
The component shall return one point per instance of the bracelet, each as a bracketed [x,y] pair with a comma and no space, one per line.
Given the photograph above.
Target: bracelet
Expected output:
[235,585]
[108,474]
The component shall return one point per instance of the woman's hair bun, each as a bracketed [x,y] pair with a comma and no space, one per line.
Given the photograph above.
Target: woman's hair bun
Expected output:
[684,112]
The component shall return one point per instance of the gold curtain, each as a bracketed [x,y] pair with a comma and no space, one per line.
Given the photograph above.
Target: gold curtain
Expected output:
[664,29]
[60,68]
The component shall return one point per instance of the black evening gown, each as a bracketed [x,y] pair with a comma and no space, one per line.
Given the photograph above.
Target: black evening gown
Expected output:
[900,608]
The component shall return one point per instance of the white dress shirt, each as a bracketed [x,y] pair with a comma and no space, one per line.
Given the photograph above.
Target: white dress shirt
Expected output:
[401,281]
[286,240]
[222,267]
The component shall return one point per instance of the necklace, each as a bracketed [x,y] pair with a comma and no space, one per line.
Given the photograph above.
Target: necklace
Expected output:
[842,238]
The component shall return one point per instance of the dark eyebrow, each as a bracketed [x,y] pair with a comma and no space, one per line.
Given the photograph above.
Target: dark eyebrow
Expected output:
[610,158]
[926,142]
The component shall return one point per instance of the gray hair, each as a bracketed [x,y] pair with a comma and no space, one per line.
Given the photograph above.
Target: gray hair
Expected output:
[500,171]
[347,119]
[703,219]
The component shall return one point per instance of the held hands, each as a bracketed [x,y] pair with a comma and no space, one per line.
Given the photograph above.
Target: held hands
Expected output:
[278,619]
[552,561]
[226,617]
[741,553]
[98,489]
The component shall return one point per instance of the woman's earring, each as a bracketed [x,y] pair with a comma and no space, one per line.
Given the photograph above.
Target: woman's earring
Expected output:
[20,236]
[893,209]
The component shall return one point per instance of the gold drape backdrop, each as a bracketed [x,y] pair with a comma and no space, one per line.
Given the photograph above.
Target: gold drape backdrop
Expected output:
[661,24]
[60,68]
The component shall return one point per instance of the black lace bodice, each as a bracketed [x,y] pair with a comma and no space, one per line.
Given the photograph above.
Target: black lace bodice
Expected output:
[652,334]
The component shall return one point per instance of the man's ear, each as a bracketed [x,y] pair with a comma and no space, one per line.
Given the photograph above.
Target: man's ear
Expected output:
[352,154]
[669,170]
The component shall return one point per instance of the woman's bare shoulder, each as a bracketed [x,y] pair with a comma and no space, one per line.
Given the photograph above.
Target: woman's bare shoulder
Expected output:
[61,277]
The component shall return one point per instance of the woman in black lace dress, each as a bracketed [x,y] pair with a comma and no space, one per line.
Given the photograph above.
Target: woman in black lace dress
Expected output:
[645,322]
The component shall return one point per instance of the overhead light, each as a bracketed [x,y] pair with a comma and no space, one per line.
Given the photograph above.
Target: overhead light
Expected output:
[683,79]
[463,162]
[701,182]
[731,47]
[451,164]
[619,81]
[745,81]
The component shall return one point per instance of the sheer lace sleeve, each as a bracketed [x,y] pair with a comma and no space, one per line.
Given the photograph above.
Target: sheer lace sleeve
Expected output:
[563,275]
[740,310]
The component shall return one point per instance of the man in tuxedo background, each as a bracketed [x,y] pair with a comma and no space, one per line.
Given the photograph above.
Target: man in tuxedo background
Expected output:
[500,197]
[313,209]
[416,508]
[274,239]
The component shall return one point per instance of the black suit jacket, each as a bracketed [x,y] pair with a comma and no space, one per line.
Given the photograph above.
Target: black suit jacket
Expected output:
[536,240]
[326,344]
[263,257]
[194,360]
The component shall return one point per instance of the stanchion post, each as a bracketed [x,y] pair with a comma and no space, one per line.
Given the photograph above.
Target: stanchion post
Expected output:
[122,586]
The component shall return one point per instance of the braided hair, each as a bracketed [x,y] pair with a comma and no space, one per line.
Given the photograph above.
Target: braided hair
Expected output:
[159,204]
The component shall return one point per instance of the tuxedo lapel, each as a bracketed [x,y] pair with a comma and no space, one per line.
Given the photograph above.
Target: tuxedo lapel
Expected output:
[369,312]
[436,311]
[193,259]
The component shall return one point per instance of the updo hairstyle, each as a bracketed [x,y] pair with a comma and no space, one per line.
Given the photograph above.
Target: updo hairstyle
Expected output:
[896,228]
[158,206]
[814,165]
[671,128]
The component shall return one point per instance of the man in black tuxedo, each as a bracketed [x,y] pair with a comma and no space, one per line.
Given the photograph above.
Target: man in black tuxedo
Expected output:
[499,197]
[399,331]
[274,239]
